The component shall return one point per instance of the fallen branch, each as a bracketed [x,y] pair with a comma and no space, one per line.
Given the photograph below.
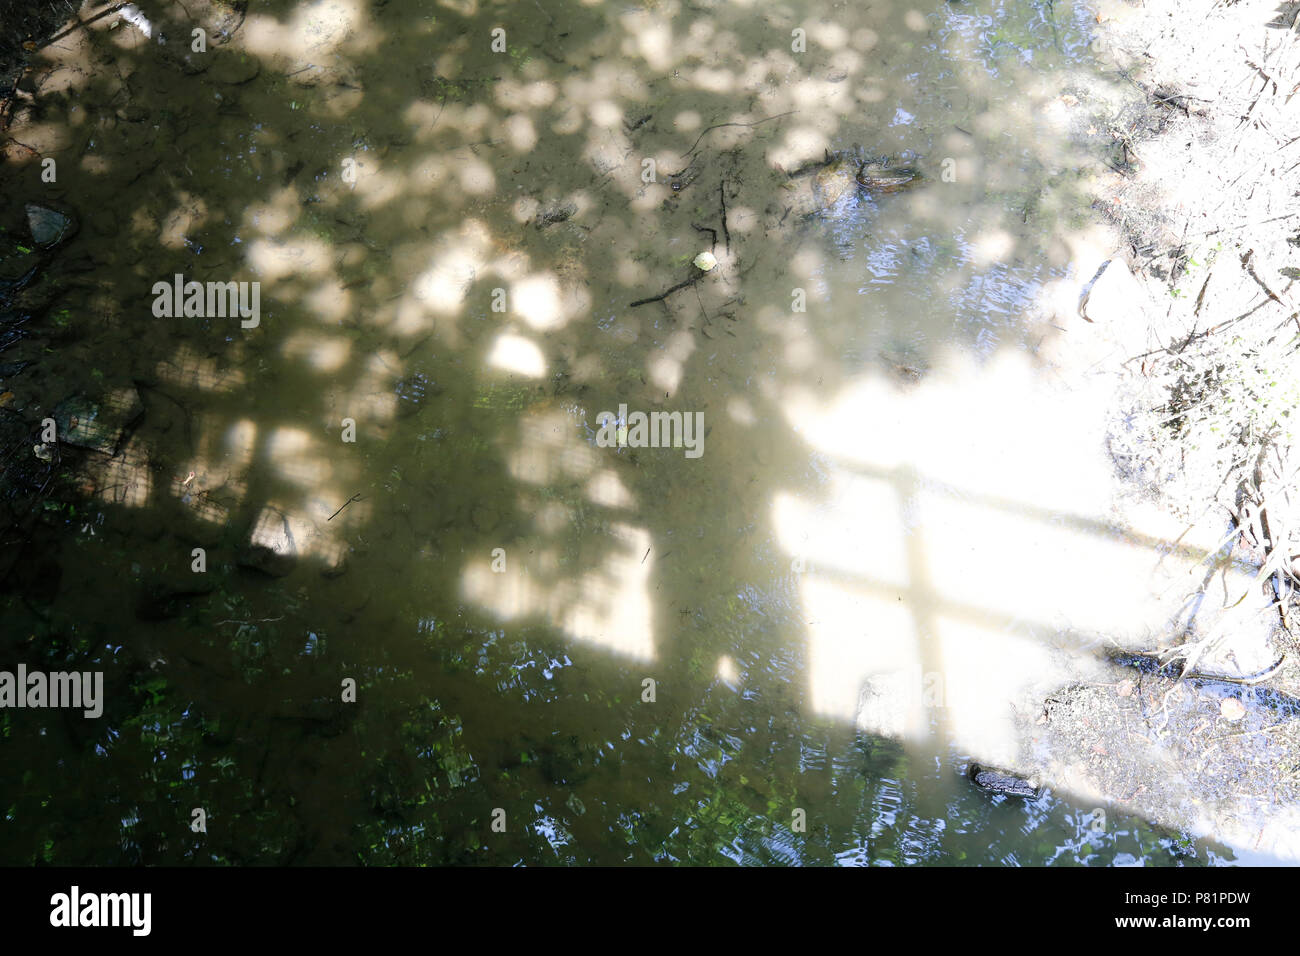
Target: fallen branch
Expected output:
[1247,225]
[721,125]
[713,233]
[82,23]
[11,140]
[722,195]
[356,497]
[666,293]
[1250,270]
[252,624]
[700,299]
[1195,336]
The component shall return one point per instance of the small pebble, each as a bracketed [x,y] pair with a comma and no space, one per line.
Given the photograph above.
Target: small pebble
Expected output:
[1232,709]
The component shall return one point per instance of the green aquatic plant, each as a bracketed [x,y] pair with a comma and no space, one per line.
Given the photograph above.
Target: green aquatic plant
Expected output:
[500,397]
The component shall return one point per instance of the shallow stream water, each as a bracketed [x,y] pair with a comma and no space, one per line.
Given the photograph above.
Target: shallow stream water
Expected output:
[625,654]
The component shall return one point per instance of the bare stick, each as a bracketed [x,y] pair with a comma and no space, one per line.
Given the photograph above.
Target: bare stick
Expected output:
[356,497]
[713,233]
[723,196]
[665,294]
[700,299]
[721,125]
[82,23]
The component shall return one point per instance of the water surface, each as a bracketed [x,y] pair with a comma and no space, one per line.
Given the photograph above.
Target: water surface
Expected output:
[504,587]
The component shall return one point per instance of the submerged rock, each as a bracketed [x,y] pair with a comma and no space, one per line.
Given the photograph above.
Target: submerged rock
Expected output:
[999,781]
[813,190]
[97,425]
[818,188]
[559,211]
[881,177]
[49,226]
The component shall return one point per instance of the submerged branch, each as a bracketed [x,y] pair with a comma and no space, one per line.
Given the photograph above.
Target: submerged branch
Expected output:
[721,125]
[667,292]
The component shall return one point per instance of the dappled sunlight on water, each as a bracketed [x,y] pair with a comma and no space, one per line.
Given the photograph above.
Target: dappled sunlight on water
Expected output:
[898,527]
[608,606]
[965,552]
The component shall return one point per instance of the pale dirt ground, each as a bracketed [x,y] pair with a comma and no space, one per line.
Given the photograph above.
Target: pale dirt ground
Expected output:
[1202,226]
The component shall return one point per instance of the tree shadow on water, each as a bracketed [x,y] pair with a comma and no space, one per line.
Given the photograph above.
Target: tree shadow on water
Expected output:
[495,582]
